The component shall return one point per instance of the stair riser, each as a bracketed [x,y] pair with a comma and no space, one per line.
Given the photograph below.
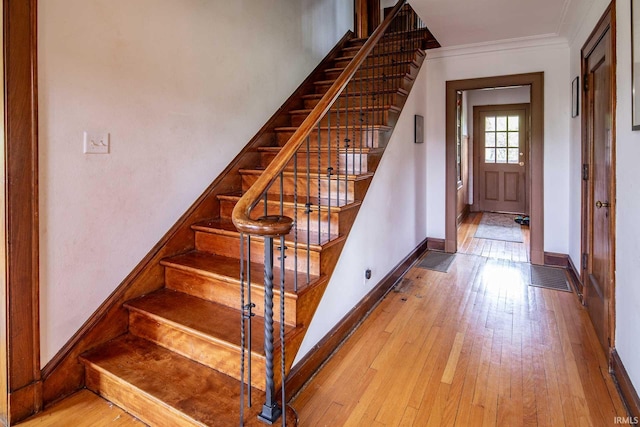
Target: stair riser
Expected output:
[226,207]
[335,188]
[368,85]
[366,138]
[128,397]
[351,163]
[380,117]
[385,68]
[388,39]
[358,101]
[391,46]
[344,60]
[215,355]
[229,246]
[228,293]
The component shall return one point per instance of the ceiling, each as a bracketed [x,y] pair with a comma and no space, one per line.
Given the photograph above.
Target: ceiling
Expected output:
[464,22]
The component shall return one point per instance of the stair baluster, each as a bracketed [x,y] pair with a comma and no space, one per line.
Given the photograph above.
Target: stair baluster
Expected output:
[361,98]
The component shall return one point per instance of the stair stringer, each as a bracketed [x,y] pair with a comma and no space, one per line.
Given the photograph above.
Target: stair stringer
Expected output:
[65,374]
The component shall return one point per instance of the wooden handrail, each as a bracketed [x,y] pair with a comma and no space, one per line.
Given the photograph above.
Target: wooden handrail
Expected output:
[273,225]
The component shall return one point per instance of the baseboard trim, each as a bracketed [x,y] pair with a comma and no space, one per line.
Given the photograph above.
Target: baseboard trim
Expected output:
[463,214]
[553,259]
[323,350]
[575,278]
[434,244]
[625,386]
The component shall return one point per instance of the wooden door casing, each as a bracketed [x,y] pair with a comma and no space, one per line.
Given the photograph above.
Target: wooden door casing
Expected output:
[598,189]
[501,187]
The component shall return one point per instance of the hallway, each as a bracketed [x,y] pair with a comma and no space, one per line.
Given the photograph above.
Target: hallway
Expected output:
[474,346]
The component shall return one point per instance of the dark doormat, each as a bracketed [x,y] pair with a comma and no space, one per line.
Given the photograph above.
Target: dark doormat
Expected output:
[550,277]
[438,261]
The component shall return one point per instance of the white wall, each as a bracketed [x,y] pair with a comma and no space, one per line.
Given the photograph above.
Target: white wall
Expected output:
[181,86]
[549,55]
[499,96]
[395,207]
[628,206]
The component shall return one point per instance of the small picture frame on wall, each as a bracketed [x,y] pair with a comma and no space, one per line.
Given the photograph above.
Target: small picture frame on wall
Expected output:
[419,129]
[575,97]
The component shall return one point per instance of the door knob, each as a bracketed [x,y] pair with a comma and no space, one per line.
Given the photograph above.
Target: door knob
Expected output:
[600,204]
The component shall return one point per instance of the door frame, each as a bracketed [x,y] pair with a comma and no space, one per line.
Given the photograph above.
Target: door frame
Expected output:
[365,12]
[606,22]
[20,332]
[477,156]
[536,159]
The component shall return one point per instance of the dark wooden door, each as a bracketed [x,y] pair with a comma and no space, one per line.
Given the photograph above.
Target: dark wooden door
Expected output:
[598,203]
[502,157]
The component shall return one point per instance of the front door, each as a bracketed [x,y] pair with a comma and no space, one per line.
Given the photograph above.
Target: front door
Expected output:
[598,193]
[502,158]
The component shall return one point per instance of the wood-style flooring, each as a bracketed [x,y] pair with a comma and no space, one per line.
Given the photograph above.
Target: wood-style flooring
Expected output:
[476,346]
[83,408]
[469,244]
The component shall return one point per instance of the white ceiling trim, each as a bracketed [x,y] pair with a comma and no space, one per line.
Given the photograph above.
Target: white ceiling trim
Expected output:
[563,19]
[547,40]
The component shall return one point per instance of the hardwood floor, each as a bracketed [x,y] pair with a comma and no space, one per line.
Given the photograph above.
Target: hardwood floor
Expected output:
[474,346]
[468,244]
[83,408]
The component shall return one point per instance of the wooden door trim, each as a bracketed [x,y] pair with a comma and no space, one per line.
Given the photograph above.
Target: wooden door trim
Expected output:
[477,109]
[22,395]
[536,149]
[606,23]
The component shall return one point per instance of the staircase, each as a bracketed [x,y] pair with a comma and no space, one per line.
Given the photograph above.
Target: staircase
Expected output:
[191,341]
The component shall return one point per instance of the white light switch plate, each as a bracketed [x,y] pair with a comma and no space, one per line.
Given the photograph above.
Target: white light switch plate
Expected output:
[96,143]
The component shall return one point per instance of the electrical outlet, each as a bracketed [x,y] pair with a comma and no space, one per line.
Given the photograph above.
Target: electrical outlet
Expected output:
[96,143]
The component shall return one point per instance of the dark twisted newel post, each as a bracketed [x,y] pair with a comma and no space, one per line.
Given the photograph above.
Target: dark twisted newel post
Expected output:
[271,411]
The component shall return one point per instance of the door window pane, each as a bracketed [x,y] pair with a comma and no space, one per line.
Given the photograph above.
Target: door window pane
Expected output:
[514,139]
[501,123]
[501,139]
[489,155]
[490,123]
[514,123]
[489,139]
[501,155]
[514,154]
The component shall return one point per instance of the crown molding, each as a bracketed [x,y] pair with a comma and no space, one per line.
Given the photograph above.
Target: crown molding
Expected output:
[544,40]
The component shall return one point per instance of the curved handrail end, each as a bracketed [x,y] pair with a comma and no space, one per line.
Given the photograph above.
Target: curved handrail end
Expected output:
[265,226]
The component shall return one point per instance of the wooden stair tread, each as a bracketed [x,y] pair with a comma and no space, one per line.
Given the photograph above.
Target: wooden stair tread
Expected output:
[400,91]
[369,108]
[342,176]
[206,319]
[368,67]
[355,80]
[202,396]
[288,200]
[224,226]
[228,269]
[352,53]
[324,149]
[334,128]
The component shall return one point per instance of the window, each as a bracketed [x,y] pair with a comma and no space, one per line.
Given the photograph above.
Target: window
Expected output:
[502,139]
